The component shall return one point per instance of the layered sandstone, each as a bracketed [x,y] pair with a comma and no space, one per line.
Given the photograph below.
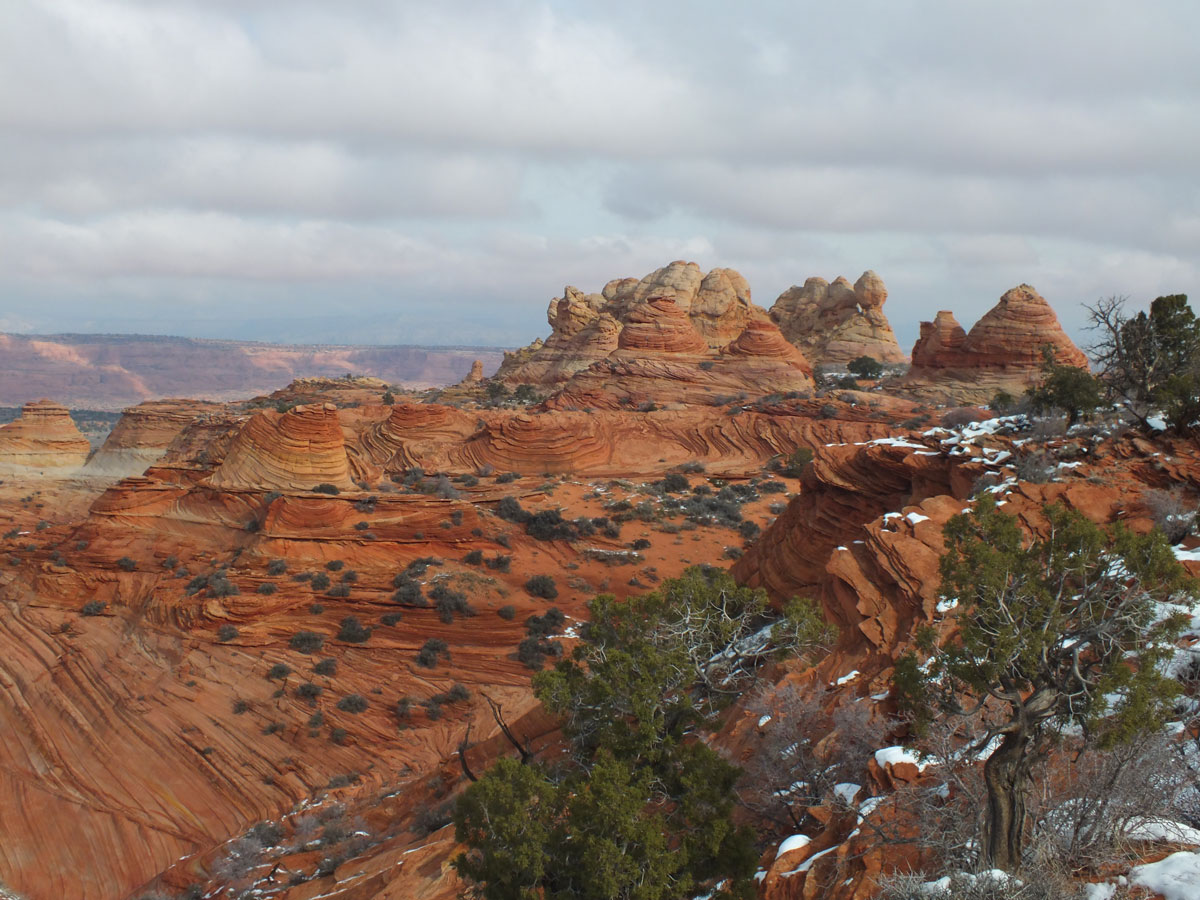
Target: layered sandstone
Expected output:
[143,434]
[44,437]
[296,450]
[835,323]
[1004,351]
[662,361]
[586,328]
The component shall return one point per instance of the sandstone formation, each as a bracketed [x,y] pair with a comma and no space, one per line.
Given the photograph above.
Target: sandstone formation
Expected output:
[586,328]
[836,323]
[1002,352]
[476,374]
[143,434]
[44,437]
[296,450]
[661,361]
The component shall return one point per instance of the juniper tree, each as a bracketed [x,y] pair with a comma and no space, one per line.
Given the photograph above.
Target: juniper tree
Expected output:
[1150,360]
[640,809]
[1058,633]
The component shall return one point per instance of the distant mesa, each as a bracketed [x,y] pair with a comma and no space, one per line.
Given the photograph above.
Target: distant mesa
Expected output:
[1002,352]
[836,323]
[44,437]
[114,371]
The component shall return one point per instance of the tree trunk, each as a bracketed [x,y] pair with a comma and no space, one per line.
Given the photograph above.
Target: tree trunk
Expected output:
[1006,775]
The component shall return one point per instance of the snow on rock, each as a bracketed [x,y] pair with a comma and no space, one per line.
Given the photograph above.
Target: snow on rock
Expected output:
[795,842]
[915,517]
[1177,877]
[896,755]
[1159,829]
[763,720]
[846,792]
[847,678]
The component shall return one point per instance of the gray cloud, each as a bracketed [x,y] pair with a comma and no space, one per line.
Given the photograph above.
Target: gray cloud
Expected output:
[212,163]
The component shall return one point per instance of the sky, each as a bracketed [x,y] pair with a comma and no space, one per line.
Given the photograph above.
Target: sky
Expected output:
[405,172]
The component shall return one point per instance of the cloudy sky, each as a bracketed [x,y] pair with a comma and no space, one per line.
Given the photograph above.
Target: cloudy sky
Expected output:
[392,171]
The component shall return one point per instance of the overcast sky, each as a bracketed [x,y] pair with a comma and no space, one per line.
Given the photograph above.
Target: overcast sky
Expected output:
[406,172]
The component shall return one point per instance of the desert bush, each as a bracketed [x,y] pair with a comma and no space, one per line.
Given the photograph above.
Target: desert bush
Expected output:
[339,591]
[533,652]
[542,586]
[500,563]
[431,652]
[408,593]
[266,588]
[804,754]
[320,582]
[335,565]
[549,525]
[352,631]
[309,691]
[126,564]
[391,618]
[419,567]
[1036,467]
[960,416]
[449,602]
[474,558]
[1171,512]
[279,670]
[353,703]
[92,608]
[226,633]
[306,641]
[326,488]
[794,465]
[675,483]
[508,612]
[326,666]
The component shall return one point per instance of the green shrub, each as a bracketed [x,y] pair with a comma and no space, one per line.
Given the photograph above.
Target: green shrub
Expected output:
[226,633]
[326,488]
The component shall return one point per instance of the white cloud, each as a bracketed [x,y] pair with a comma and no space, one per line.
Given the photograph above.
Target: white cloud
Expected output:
[490,152]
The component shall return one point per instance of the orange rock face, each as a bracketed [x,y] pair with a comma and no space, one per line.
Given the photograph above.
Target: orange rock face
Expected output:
[676,308]
[44,437]
[143,434]
[295,450]
[835,323]
[1002,352]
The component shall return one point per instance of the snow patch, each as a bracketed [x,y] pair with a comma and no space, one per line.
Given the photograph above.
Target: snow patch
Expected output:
[847,678]
[795,842]
[1177,877]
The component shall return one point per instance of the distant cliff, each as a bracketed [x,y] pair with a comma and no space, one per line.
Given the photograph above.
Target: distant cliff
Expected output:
[112,371]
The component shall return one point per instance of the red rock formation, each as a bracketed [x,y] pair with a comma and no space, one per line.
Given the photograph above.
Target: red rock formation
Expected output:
[836,323]
[143,434]
[1002,352]
[940,341]
[586,328]
[660,325]
[762,340]
[44,437]
[294,451]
